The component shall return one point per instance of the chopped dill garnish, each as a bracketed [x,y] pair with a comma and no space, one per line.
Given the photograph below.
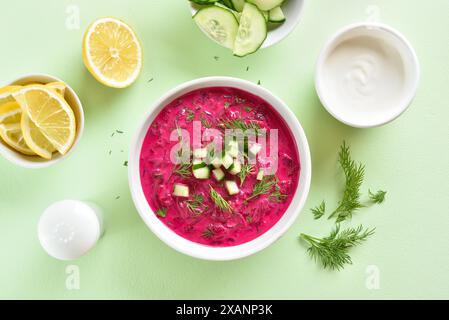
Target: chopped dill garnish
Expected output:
[248,109]
[377,197]
[206,123]
[245,171]
[196,204]
[161,212]
[190,115]
[277,195]
[354,175]
[332,251]
[240,124]
[208,232]
[125,164]
[119,131]
[264,186]
[319,211]
[219,201]
[182,169]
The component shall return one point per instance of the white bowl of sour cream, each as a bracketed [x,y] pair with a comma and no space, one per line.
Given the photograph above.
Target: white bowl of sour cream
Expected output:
[367,75]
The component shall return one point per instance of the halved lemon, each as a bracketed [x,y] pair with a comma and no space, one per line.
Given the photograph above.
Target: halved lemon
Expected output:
[112,52]
[10,113]
[50,114]
[12,135]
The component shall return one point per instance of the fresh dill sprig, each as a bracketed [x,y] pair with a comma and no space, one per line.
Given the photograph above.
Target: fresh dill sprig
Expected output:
[161,212]
[219,201]
[240,124]
[319,211]
[277,195]
[377,197]
[332,251]
[245,171]
[263,187]
[354,175]
[182,169]
[196,204]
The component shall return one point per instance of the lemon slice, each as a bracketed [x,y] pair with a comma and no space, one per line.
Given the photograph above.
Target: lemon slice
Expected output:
[50,113]
[34,138]
[6,93]
[12,135]
[112,52]
[10,113]
[58,86]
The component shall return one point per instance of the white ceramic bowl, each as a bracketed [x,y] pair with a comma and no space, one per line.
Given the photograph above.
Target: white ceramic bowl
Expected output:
[220,253]
[375,115]
[293,12]
[74,102]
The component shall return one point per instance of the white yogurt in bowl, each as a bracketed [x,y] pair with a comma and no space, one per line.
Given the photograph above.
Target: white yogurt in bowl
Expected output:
[367,75]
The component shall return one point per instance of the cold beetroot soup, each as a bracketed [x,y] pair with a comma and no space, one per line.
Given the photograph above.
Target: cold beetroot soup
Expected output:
[218,199]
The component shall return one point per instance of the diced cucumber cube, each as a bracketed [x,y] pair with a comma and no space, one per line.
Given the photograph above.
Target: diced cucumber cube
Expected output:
[198,164]
[233,148]
[218,174]
[232,187]
[255,149]
[181,190]
[235,168]
[200,153]
[260,175]
[227,161]
[202,173]
[216,162]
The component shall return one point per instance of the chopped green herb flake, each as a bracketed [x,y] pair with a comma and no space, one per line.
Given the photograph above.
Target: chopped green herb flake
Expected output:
[161,212]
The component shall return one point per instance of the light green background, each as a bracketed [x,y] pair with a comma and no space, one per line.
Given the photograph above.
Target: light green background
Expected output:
[409,158]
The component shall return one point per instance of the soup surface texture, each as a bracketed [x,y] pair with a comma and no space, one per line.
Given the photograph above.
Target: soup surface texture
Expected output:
[197,217]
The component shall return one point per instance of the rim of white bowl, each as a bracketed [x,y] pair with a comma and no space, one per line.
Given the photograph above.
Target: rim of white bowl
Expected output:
[288,29]
[34,162]
[220,253]
[330,45]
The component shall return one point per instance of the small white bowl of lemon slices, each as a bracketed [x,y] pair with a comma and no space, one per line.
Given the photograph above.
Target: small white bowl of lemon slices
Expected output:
[41,121]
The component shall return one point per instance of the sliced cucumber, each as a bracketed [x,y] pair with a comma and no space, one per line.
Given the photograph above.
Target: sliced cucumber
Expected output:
[200,153]
[255,149]
[227,161]
[232,187]
[180,190]
[229,4]
[204,2]
[252,31]
[276,15]
[218,174]
[260,175]
[266,15]
[266,5]
[235,168]
[219,24]
[235,13]
[238,5]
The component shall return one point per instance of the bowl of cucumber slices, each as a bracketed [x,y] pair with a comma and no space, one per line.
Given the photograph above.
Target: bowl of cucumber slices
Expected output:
[245,26]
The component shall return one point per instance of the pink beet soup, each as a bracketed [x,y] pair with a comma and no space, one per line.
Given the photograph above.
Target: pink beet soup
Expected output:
[197,217]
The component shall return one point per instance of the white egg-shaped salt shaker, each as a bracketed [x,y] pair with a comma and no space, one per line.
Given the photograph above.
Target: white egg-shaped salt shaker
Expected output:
[69,229]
